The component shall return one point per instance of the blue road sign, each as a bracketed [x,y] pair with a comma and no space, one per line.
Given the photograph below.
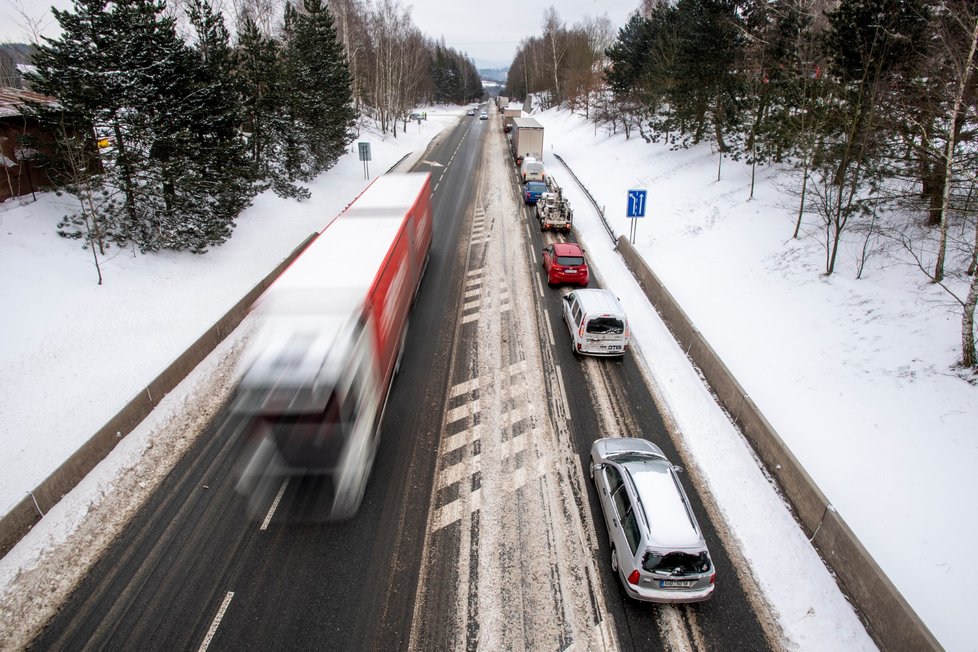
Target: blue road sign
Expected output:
[636,203]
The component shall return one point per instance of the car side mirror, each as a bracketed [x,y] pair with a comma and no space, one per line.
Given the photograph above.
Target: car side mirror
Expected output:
[678,469]
[566,298]
[597,467]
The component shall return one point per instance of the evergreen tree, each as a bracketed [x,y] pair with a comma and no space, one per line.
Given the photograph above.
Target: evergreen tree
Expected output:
[259,73]
[320,84]
[175,164]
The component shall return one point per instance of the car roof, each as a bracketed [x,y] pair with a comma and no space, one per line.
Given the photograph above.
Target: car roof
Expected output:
[670,521]
[599,300]
[567,248]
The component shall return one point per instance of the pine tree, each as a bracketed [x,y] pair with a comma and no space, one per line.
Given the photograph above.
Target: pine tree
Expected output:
[175,161]
[259,74]
[320,83]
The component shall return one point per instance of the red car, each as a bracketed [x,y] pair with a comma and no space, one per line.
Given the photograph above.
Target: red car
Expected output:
[564,263]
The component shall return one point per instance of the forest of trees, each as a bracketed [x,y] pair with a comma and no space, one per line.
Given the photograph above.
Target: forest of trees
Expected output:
[871,104]
[167,125]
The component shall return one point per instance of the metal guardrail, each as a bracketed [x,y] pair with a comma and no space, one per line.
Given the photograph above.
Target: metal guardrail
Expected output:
[607,227]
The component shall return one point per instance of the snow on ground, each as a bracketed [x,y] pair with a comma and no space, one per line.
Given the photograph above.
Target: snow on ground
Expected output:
[855,375]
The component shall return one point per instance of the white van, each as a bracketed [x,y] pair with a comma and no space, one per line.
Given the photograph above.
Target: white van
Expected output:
[531,170]
[596,322]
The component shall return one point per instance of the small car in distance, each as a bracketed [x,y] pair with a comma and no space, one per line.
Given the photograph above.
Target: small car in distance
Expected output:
[564,263]
[483,116]
[532,191]
[657,548]
[470,112]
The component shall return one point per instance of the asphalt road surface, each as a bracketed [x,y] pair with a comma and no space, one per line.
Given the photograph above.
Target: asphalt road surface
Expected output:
[479,529]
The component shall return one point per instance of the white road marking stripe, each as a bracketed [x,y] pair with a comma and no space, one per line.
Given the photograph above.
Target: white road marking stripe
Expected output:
[468,319]
[271,510]
[457,473]
[472,293]
[455,510]
[563,394]
[474,272]
[217,622]
[459,439]
[469,305]
[463,388]
[550,331]
[462,411]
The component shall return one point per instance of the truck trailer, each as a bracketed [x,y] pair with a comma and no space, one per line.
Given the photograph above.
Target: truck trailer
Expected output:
[332,331]
[509,114]
[526,139]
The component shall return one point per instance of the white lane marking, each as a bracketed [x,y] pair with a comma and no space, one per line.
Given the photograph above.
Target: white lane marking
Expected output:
[469,305]
[271,510]
[550,331]
[474,272]
[455,510]
[464,469]
[464,388]
[563,394]
[459,439]
[468,319]
[462,411]
[472,293]
[217,622]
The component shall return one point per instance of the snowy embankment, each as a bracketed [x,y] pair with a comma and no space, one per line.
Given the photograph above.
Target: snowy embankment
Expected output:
[857,376]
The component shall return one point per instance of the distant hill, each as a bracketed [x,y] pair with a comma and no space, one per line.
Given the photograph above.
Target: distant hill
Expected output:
[494,74]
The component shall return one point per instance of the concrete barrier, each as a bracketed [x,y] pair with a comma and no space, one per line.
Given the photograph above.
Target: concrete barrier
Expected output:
[890,620]
[19,520]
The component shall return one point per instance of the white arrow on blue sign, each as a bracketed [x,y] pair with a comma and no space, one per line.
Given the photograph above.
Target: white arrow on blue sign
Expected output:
[636,203]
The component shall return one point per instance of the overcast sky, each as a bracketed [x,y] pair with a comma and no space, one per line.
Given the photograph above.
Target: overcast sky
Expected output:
[489,32]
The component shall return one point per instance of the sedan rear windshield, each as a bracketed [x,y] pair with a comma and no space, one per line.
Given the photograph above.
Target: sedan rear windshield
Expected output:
[677,564]
[600,325]
[570,260]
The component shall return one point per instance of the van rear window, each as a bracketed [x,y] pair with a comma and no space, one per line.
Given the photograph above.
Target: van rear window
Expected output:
[604,325]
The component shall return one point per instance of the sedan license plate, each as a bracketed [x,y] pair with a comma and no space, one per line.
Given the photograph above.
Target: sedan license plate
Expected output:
[675,584]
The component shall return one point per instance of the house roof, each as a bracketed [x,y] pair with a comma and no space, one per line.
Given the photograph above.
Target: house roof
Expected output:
[12,99]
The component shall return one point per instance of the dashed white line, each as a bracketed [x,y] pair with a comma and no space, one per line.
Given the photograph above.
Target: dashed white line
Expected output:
[271,510]
[217,623]
[563,394]
[550,332]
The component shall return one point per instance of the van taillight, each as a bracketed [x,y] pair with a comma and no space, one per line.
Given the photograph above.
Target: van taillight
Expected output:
[633,578]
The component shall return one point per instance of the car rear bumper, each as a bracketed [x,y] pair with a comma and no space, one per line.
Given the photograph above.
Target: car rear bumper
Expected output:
[667,596]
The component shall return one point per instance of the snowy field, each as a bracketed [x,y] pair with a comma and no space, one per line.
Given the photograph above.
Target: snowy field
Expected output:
[856,375]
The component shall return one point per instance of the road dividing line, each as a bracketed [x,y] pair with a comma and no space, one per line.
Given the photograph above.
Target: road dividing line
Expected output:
[217,622]
[271,510]
[563,393]
[550,332]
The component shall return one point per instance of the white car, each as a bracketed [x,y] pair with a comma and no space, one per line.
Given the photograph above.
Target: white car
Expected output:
[657,548]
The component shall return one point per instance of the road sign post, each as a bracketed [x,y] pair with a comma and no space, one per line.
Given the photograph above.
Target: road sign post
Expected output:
[365,157]
[636,209]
